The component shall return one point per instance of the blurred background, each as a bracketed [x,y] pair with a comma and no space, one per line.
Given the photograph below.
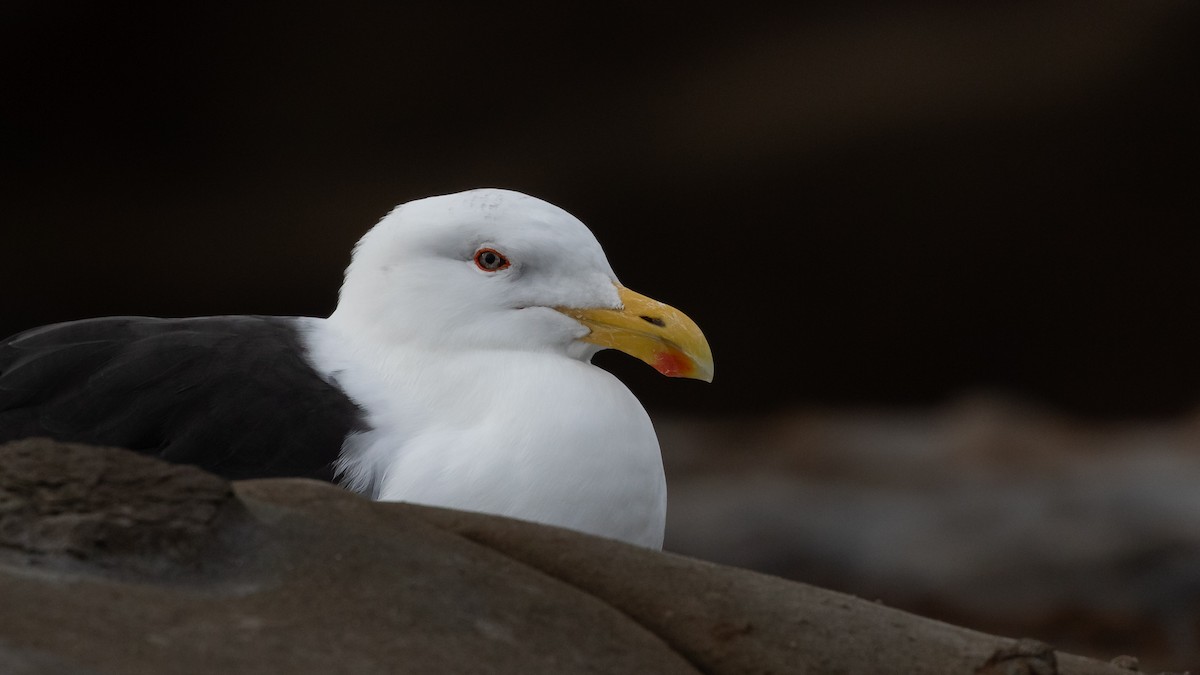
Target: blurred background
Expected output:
[946,254]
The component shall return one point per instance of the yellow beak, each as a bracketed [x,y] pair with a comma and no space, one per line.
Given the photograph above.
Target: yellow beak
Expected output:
[658,334]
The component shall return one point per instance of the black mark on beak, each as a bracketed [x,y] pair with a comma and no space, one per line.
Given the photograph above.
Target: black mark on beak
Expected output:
[654,320]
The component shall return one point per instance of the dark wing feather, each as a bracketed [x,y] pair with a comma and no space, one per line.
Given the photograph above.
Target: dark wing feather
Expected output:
[234,395]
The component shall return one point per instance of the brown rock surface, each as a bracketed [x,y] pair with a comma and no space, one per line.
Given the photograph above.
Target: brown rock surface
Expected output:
[111,563]
[105,509]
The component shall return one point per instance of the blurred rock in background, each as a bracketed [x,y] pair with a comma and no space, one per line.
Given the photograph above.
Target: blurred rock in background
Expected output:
[982,513]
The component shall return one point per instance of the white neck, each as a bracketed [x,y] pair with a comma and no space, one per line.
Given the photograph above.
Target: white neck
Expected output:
[535,435]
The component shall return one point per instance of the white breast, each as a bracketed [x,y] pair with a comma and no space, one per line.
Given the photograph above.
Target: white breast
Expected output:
[531,435]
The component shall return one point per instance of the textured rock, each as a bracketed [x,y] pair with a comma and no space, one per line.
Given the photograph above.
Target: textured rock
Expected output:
[65,504]
[301,577]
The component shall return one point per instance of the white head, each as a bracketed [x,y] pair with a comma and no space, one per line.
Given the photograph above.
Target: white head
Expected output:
[497,269]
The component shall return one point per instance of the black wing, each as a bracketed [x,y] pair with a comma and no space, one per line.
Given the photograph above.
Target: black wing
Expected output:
[234,395]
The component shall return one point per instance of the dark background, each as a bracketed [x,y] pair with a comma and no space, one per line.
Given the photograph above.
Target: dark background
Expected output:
[860,205]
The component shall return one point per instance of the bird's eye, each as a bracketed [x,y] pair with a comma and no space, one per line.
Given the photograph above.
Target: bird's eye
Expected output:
[490,260]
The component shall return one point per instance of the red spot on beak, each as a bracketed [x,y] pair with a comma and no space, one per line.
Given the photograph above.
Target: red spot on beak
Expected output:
[672,364]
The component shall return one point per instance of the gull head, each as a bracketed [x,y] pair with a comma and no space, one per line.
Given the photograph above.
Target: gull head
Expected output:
[497,269]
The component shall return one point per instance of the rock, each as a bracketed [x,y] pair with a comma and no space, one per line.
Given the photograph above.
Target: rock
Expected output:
[985,512]
[302,577]
[1026,657]
[65,504]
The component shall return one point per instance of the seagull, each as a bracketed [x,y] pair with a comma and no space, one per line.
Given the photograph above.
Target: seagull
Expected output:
[455,371]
